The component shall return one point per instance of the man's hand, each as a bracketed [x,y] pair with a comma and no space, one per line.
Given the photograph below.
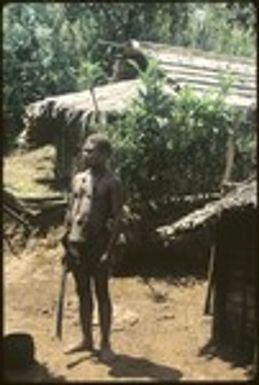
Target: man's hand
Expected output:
[104,260]
[64,240]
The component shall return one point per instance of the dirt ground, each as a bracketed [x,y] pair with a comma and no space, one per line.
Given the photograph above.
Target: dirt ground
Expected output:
[153,340]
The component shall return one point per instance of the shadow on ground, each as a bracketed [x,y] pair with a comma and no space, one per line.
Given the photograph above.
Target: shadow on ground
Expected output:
[36,373]
[235,357]
[137,367]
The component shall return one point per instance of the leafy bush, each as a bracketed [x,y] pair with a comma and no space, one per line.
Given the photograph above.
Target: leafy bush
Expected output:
[169,145]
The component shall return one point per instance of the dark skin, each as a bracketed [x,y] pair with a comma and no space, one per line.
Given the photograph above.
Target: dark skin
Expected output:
[92,227]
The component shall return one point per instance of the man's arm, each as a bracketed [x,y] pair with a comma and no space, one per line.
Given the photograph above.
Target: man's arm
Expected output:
[116,211]
[67,220]
[68,214]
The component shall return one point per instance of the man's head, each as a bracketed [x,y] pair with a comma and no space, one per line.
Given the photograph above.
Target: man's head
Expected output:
[131,46]
[96,150]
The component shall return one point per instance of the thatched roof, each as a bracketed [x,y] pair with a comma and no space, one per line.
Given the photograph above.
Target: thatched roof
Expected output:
[194,68]
[111,97]
[203,71]
[199,70]
[65,120]
[243,196]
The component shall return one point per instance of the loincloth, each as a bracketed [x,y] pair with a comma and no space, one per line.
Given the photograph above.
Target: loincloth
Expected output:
[85,256]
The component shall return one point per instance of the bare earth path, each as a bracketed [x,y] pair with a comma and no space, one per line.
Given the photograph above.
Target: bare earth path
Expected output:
[152,340]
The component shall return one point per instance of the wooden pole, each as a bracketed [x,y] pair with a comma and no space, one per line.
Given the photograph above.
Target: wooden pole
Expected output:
[211,278]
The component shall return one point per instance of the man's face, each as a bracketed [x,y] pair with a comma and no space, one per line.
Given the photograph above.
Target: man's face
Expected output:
[91,154]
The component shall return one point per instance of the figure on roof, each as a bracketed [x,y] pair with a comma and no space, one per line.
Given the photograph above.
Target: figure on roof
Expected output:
[131,52]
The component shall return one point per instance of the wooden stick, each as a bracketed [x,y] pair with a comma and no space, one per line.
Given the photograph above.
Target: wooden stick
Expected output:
[16,216]
[61,298]
[211,277]
[8,242]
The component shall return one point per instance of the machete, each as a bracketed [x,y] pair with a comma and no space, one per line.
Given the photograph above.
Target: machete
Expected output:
[60,303]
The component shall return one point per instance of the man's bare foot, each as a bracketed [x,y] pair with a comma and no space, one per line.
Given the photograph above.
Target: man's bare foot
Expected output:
[80,347]
[106,354]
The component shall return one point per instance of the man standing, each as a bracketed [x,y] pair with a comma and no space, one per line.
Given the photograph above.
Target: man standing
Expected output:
[91,230]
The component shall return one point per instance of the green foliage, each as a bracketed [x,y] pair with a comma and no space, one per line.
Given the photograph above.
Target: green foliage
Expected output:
[243,14]
[90,75]
[35,60]
[172,144]
[245,145]
[220,28]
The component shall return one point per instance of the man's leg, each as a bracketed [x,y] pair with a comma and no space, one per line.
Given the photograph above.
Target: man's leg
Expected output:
[101,279]
[85,308]
[83,288]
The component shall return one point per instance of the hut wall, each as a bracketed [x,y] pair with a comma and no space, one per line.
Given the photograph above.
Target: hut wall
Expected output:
[234,320]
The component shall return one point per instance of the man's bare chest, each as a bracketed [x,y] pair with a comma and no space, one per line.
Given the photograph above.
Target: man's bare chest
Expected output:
[90,191]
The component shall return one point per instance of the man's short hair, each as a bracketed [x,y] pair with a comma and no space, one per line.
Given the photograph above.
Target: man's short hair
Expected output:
[102,143]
